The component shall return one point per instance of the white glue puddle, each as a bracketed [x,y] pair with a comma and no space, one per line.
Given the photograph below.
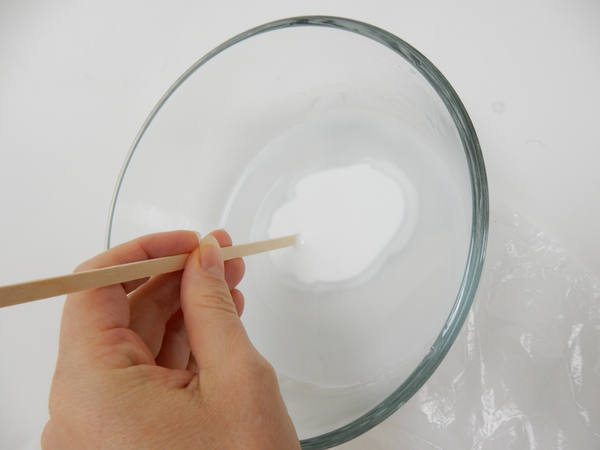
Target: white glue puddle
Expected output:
[344,219]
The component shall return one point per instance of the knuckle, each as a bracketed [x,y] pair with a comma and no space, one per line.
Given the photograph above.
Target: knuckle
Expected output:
[164,306]
[259,368]
[265,370]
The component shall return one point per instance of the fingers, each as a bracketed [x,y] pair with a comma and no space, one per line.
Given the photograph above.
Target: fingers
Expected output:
[210,313]
[169,342]
[152,309]
[154,303]
[152,306]
[146,247]
[175,350]
[96,310]
[238,301]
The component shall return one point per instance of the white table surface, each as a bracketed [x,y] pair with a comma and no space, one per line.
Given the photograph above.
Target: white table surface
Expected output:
[77,80]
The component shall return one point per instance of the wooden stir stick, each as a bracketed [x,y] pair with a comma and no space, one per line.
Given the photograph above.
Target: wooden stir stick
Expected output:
[15,294]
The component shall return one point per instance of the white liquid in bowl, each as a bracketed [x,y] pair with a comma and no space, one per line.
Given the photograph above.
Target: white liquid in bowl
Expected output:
[344,219]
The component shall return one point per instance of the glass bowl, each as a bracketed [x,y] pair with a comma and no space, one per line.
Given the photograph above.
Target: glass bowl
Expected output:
[347,136]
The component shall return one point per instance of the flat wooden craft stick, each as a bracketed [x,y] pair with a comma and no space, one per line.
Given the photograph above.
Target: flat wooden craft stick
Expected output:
[15,294]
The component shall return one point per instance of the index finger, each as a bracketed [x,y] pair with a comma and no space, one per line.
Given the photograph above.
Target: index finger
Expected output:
[108,307]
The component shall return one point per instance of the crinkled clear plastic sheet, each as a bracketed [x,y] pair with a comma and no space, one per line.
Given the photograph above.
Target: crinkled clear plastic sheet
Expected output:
[525,371]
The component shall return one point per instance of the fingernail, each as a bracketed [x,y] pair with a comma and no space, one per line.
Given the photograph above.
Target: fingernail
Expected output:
[199,237]
[211,258]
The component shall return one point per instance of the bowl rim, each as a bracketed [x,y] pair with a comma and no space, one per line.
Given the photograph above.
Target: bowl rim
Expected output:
[480,207]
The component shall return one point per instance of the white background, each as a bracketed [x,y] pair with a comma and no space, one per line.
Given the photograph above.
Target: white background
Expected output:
[78,78]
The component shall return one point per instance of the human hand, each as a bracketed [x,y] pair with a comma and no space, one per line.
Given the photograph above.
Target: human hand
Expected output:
[164,363]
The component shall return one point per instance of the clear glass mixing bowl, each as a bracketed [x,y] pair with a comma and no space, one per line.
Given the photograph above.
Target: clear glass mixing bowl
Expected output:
[230,143]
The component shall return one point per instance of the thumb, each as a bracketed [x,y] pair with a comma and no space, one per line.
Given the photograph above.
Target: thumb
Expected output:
[213,326]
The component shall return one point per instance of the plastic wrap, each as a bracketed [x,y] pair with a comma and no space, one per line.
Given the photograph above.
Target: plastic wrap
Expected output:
[525,371]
